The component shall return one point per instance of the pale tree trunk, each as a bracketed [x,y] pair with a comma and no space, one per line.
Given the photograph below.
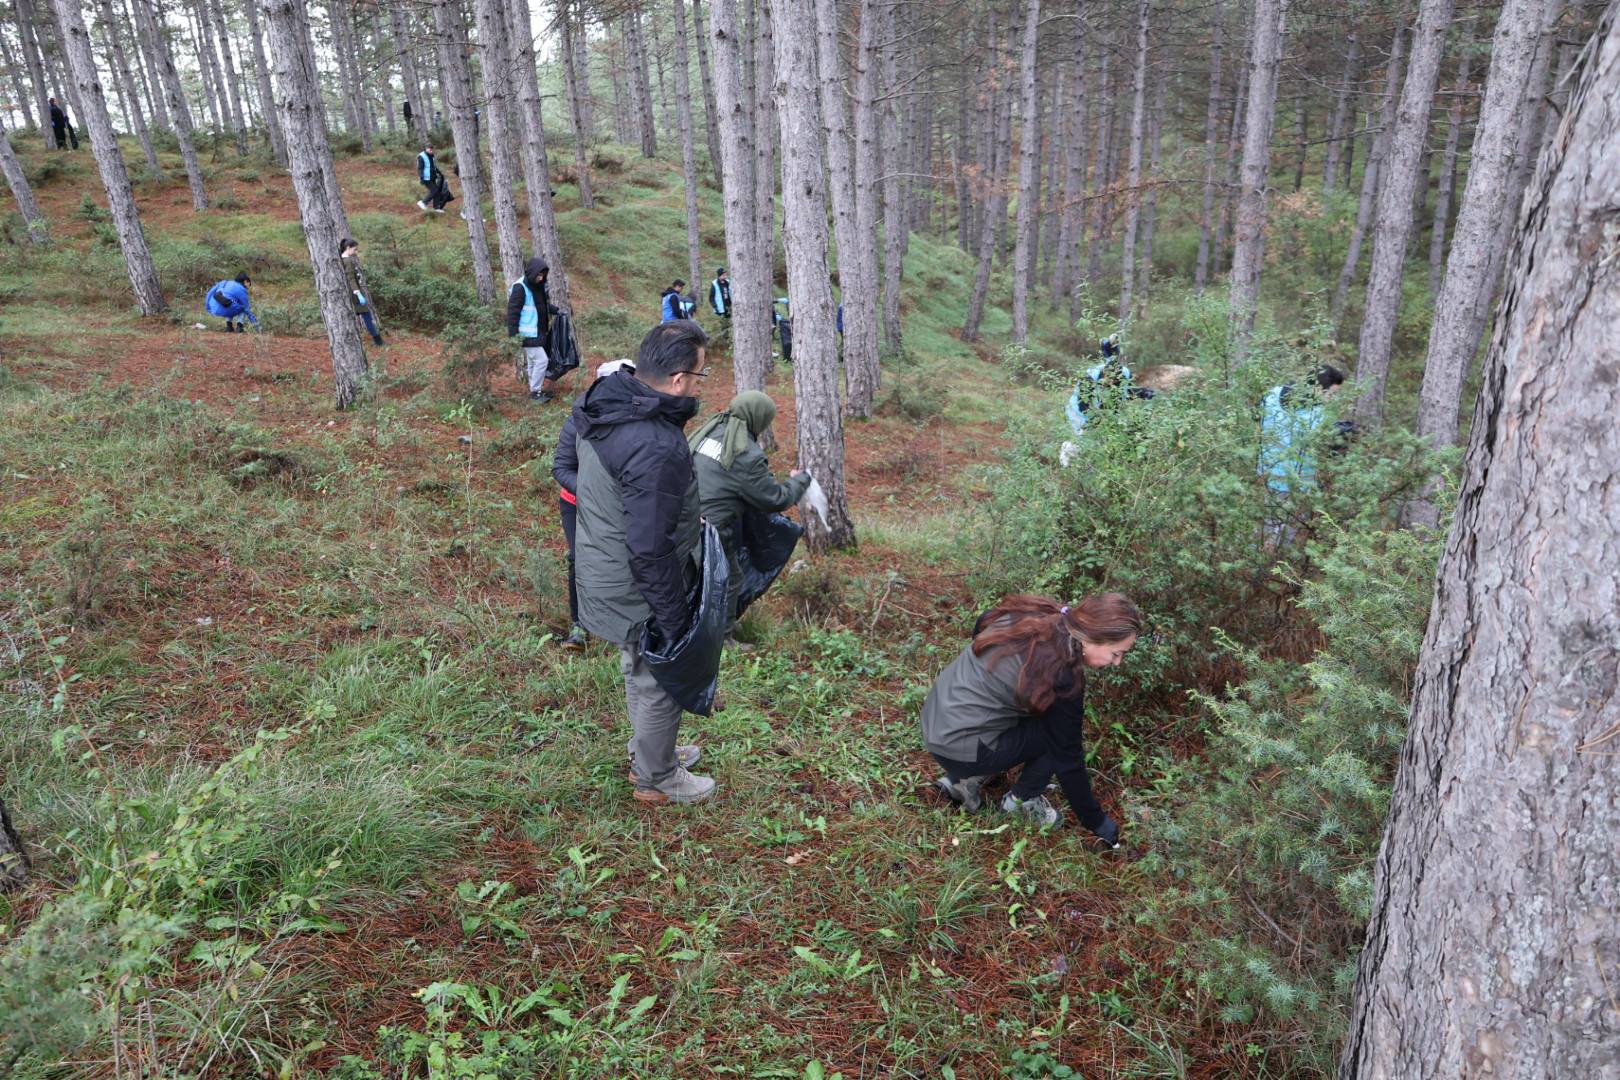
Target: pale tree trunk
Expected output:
[1493,945]
[683,113]
[1371,177]
[581,72]
[1029,147]
[1470,279]
[346,88]
[1446,190]
[576,112]
[157,90]
[348,54]
[641,82]
[233,91]
[179,111]
[405,47]
[1133,165]
[145,67]
[1302,137]
[497,66]
[324,222]
[202,46]
[895,218]
[14,865]
[535,156]
[327,170]
[1150,201]
[28,40]
[998,104]
[1342,115]
[1212,120]
[656,51]
[1234,158]
[819,421]
[120,64]
[765,165]
[1532,120]
[961,157]
[857,258]
[711,124]
[19,88]
[450,36]
[1394,215]
[261,75]
[750,321]
[143,277]
[1249,234]
[867,181]
[39,233]
[1099,168]
[1072,209]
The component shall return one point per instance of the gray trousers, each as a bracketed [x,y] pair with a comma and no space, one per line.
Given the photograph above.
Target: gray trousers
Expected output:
[655,719]
[535,363]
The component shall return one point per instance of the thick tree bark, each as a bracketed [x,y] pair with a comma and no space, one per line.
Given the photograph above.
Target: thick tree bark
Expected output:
[1029,148]
[29,42]
[216,9]
[998,105]
[39,233]
[535,157]
[765,161]
[143,277]
[261,76]
[1249,235]
[14,865]
[1371,177]
[324,221]
[896,217]
[1212,120]
[862,292]
[711,124]
[179,111]
[1446,189]
[1133,165]
[1471,272]
[576,111]
[120,65]
[1493,943]
[856,270]
[497,66]
[819,421]
[405,48]
[750,320]
[450,38]
[683,114]
[1533,117]
[1342,114]
[1400,172]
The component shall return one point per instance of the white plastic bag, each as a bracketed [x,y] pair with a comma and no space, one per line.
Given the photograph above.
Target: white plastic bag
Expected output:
[815,499]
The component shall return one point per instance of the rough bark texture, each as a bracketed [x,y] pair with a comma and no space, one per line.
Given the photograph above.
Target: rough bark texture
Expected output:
[132,98]
[14,866]
[856,269]
[867,180]
[143,277]
[156,93]
[1446,188]
[1470,276]
[683,115]
[1133,164]
[261,75]
[39,233]
[750,322]
[1400,174]
[535,157]
[1212,120]
[819,421]
[1029,148]
[576,111]
[1493,946]
[765,165]
[450,37]
[1249,235]
[324,223]
[1342,113]
[175,97]
[1371,177]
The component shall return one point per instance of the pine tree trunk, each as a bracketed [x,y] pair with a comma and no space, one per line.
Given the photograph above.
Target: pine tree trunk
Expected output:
[261,76]
[120,64]
[29,42]
[750,321]
[1249,234]
[497,68]
[535,156]
[1099,168]
[1493,944]
[1071,208]
[179,111]
[450,35]
[711,124]
[1446,189]
[145,70]
[995,200]
[233,92]
[143,277]
[14,865]
[1371,177]
[895,217]
[576,112]
[1234,158]
[208,67]
[1394,215]
[765,162]
[20,96]
[819,421]
[656,52]
[641,83]
[683,113]
[1471,272]
[324,222]
[867,182]
[405,48]
[1150,200]
[1029,147]
[1342,115]
[1212,117]
[857,274]
[581,66]
[1133,166]
[39,233]
[1532,121]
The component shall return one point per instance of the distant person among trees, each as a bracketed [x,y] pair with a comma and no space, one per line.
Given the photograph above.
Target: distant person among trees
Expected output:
[1016,696]
[672,304]
[436,188]
[230,301]
[1103,385]
[639,536]
[1290,418]
[406,109]
[565,470]
[735,478]
[359,294]
[528,316]
[782,323]
[720,294]
[62,127]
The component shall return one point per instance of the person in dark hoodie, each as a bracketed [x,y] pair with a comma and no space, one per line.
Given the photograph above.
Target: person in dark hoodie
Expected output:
[528,316]
[638,537]
[671,304]
[62,127]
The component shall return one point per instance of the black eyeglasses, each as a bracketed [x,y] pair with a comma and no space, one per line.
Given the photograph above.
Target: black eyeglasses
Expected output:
[699,374]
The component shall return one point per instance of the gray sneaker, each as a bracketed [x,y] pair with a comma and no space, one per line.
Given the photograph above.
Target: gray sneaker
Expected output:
[1037,809]
[964,792]
[681,787]
[686,756]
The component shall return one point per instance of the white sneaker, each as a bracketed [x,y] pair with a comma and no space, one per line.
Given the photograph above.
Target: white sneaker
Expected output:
[681,787]
[1037,809]
[420,205]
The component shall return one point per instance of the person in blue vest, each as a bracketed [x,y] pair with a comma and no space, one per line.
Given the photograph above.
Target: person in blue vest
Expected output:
[720,294]
[229,300]
[671,304]
[528,316]
[1104,384]
[1290,418]
[437,190]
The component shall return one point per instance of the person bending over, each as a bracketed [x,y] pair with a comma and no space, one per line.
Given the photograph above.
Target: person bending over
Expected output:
[1016,696]
[229,300]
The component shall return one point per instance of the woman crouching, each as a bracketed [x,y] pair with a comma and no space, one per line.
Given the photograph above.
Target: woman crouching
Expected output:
[1016,696]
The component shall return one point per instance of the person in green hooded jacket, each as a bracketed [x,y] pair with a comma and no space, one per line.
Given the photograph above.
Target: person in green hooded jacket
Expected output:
[734,477]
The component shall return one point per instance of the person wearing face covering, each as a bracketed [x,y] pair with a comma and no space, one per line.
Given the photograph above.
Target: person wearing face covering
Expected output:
[734,477]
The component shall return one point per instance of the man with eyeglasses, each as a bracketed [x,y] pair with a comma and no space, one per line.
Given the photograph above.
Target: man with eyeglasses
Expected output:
[638,537]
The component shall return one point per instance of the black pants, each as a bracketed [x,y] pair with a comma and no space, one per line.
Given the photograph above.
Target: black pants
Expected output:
[1044,745]
[569,517]
[60,131]
[438,192]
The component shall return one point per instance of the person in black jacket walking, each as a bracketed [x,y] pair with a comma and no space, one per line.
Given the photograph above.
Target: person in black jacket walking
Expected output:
[528,316]
[62,127]
[638,537]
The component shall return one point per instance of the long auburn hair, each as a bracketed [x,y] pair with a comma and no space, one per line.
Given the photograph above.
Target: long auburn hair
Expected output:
[1046,635]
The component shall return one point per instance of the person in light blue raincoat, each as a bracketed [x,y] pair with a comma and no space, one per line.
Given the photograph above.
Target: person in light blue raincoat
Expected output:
[1104,382]
[1290,417]
[229,300]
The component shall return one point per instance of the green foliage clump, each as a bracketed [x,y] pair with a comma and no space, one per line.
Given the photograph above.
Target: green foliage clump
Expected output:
[473,351]
[191,266]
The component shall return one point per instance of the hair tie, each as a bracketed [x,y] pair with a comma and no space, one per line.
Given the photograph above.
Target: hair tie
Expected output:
[1064,610]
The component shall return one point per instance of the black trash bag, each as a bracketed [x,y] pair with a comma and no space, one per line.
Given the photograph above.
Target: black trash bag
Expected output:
[765,543]
[689,668]
[784,331]
[562,351]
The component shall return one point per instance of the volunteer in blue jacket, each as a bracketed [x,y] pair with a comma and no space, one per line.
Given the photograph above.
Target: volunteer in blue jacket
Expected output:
[720,294]
[528,316]
[229,300]
[1290,418]
[437,191]
[671,304]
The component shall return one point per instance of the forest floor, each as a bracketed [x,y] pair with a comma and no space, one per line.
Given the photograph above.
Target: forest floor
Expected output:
[212,551]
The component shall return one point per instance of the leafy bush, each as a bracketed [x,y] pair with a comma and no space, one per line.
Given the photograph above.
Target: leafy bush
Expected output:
[410,294]
[194,265]
[918,398]
[295,318]
[473,351]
